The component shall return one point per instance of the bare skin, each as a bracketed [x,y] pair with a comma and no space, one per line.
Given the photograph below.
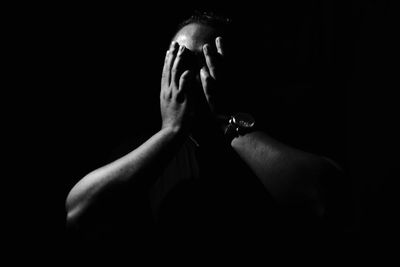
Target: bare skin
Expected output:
[290,175]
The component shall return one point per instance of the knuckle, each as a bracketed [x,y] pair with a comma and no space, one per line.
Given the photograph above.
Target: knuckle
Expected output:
[169,62]
[174,75]
[177,61]
[175,66]
[174,70]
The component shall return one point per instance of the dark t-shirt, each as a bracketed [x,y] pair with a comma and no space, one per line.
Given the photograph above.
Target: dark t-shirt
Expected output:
[203,188]
[208,188]
[206,194]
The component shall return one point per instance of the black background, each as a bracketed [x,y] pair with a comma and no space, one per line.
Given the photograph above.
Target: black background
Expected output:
[87,77]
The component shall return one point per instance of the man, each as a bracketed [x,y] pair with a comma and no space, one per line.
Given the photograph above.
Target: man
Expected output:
[205,170]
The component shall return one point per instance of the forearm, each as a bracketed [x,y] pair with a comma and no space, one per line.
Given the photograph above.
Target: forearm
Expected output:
[278,166]
[125,171]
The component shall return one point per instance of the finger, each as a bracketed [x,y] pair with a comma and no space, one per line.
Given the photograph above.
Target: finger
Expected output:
[208,87]
[175,72]
[165,80]
[171,57]
[184,82]
[164,76]
[206,81]
[220,45]
[210,60]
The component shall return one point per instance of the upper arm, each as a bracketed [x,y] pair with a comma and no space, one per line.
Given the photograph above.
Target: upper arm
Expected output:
[316,195]
[302,183]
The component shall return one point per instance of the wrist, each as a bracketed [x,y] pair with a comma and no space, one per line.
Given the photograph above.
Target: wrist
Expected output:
[172,130]
[236,125]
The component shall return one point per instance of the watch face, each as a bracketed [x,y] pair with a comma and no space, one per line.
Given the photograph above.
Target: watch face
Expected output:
[244,120]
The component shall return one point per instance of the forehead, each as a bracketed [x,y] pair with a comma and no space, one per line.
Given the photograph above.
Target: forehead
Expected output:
[194,36]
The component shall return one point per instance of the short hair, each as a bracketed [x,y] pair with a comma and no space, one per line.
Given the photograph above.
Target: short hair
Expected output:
[208,18]
[221,23]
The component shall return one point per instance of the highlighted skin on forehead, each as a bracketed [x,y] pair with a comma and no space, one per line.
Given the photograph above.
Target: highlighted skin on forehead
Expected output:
[194,36]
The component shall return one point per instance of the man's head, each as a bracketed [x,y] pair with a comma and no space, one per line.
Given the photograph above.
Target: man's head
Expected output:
[201,29]
[194,36]
[196,32]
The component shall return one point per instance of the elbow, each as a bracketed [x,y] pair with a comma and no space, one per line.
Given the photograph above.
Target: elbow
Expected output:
[75,201]
[82,197]
[72,210]
[76,213]
[72,201]
[71,218]
[69,202]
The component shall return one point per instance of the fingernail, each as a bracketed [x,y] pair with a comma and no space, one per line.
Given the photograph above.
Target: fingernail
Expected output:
[181,49]
[205,47]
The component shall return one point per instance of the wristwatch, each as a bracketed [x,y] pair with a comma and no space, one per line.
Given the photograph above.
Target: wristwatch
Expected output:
[238,124]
